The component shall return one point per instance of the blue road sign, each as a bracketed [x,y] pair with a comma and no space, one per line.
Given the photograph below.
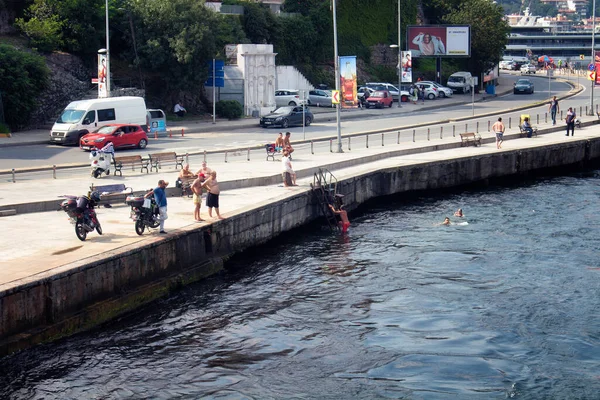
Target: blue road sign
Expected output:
[591,67]
[218,73]
[220,82]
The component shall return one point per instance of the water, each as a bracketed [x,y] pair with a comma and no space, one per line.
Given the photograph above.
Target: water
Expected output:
[505,306]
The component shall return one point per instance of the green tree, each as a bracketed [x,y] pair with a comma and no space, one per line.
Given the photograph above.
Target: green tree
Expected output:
[42,27]
[22,77]
[489,32]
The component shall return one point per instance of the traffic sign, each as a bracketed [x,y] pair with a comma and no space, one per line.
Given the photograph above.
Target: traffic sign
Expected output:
[591,67]
[218,74]
[335,96]
[592,76]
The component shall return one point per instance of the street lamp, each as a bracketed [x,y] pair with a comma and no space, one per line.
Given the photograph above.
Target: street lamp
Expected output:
[337,77]
[593,57]
[393,46]
[107,54]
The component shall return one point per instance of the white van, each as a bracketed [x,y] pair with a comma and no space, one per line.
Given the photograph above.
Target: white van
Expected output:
[84,116]
[460,82]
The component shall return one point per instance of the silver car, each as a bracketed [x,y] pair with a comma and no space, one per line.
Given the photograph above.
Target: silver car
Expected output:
[442,90]
[319,98]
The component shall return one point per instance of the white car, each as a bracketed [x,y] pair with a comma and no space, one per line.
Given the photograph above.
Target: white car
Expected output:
[288,97]
[431,91]
[528,69]
[442,90]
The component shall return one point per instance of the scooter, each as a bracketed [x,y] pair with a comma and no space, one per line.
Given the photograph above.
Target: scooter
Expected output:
[80,210]
[102,160]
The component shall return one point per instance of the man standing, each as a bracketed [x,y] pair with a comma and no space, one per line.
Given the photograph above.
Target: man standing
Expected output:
[498,129]
[571,121]
[197,197]
[160,196]
[553,108]
[288,174]
[212,197]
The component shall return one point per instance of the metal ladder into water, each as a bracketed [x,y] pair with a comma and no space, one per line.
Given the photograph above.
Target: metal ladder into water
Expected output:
[325,188]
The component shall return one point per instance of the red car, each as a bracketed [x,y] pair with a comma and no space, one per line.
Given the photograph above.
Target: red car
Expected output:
[120,135]
[380,99]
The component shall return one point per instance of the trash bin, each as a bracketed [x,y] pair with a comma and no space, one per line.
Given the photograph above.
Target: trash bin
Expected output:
[157,121]
[491,89]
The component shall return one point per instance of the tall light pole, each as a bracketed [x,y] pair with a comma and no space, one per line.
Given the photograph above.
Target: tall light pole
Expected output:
[107,54]
[337,78]
[400,59]
[593,57]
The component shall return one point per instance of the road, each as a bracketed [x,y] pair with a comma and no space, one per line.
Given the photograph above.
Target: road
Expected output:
[386,119]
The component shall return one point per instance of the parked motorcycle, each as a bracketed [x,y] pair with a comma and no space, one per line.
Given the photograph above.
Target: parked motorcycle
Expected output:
[143,216]
[80,210]
[102,160]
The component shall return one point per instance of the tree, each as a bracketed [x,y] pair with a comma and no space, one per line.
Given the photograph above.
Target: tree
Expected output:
[489,32]
[22,77]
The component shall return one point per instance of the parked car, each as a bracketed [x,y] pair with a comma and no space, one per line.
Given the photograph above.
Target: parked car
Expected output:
[443,91]
[523,86]
[319,98]
[431,91]
[393,90]
[288,97]
[528,69]
[508,65]
[380,99]
[120,135]
[287,116]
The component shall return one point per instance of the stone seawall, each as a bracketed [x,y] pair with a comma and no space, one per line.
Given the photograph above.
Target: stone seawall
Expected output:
[81,295]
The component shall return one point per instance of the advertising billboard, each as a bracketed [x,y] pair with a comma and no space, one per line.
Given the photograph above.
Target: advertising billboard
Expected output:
[348,81]
[406,66]
[102,90]
[597,67]
[439,41]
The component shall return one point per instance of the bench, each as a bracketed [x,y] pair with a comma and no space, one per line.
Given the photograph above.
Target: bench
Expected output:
[470,138]
[184,185]
[523,132]
[109,193]
[158,159]
[134,161]
[271,151]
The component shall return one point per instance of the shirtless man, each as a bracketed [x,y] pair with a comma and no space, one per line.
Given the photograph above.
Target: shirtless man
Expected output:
[212,198]
[446,221]
[286,143]
[498,129]
[197,191]
[345,222]
[459,213]
[279,142]
[204,171]
[185,172]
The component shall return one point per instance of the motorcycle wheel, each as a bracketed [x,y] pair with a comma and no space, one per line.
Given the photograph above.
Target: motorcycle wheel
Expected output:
[96,173]
[99,228]
[80,231]
[139,227]
[154,223]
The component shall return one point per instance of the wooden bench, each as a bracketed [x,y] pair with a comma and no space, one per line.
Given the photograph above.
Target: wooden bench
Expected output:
[110,193]
[158,159]
[134,161]
[523,132]
[470,138]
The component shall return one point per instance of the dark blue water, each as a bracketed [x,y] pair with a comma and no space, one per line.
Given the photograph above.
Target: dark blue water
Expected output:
[505,306]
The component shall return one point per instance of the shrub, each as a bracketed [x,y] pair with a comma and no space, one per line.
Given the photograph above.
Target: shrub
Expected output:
[4,128]
[230,109]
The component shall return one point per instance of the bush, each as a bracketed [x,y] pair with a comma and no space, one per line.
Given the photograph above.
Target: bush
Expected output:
[230,109]
[4,128]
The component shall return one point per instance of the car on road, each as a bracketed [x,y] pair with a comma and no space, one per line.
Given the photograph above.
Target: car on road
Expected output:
[120,135]
[528,69]
[288,97]
[523,86]
[443,91]
[380,99]
[319,98]
[288,116]
[508,65]
[431,91]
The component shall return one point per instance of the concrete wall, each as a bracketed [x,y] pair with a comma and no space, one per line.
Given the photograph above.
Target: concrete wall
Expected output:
[79,296]
[288,77]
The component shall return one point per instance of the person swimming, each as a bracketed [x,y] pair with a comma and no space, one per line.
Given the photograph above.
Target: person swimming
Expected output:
[446,221]
[459,213]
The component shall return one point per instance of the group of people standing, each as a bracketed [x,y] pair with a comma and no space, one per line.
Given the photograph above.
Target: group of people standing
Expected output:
[205,179]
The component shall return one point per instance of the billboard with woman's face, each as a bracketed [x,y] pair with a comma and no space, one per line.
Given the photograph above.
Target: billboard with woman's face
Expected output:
[439,41]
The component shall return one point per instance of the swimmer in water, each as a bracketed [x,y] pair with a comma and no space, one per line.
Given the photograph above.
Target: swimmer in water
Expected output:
[446,221]
[345,222]
[459,213]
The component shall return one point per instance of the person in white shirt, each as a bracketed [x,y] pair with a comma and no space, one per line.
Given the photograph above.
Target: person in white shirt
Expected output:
[288,174]
[179,110]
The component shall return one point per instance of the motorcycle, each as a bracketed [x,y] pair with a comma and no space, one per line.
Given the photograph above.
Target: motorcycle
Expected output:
[147,216]
[102,160]
[80,210]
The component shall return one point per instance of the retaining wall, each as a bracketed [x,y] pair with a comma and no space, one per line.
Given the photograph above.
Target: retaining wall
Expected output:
[81,295]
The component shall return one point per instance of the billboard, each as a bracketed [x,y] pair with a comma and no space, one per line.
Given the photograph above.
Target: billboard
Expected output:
[406,66]
[597,67]
[102,92]
[348,81]
[439,41]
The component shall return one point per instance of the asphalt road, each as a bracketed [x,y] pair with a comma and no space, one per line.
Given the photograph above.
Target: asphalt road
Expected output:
[48,154]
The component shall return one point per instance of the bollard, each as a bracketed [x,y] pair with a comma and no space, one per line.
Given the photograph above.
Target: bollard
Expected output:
[331,145]
[54,171]
[312,149]
[225,156]
[187,158]
[545,118]
[441,132]
[488,125]
[170,133]
[428,131]
[367,141]
[204,155]
[453,130]
[398,138]
[537,118]
[349,144]
[181,132]
[561,114]
[248,154]
[382,139]
[413,135]
[466,127]
[13,175]
[509,122]
[477,127]
[155,135]
[585,110]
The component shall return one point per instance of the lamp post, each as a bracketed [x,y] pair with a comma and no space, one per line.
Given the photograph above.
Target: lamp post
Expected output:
[337,77]
[107,54]
[591,112]
[399,59]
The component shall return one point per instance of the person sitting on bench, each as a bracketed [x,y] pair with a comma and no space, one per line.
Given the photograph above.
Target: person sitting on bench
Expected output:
[527,127]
